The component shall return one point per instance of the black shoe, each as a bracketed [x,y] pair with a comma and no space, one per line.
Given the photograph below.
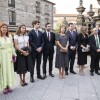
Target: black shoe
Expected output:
[44,76]
[72,72]
[51,74]
[25,83]
[66,73]
[99,69]
[32,80]
[92,74]
[97,73]
[40,77]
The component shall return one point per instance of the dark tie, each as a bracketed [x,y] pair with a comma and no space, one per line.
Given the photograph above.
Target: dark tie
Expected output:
[49,36]
[72,33]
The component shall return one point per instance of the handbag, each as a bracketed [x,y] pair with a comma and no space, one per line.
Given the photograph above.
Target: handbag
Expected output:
[24,49]
[13,58]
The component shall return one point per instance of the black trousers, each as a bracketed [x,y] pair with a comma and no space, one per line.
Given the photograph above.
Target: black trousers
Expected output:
[95,62]
[36,57]
[71,57]
[48,56]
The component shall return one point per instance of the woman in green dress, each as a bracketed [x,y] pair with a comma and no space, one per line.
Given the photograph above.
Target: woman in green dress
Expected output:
[7,57]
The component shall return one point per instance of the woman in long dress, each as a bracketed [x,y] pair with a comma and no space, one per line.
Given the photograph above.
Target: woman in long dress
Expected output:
[7,52]
[62,51]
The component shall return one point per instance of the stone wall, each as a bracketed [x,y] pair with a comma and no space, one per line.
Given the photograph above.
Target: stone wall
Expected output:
[26,12]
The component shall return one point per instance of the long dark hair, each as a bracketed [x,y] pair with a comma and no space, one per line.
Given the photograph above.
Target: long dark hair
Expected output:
[18,32]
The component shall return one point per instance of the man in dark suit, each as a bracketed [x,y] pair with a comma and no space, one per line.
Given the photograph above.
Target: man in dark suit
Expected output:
[72,36]
[94,41]
[48,49]
[36,43]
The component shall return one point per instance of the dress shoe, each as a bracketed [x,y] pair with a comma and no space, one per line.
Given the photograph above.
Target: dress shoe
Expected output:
[44,76]
[97,73]
[92,74]
[51,74]
[72,72]
[66,73]
[40,77]
[32,80]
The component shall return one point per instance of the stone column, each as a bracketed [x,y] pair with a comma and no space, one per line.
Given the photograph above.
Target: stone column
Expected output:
[97,18]
[80,17]
[90,23]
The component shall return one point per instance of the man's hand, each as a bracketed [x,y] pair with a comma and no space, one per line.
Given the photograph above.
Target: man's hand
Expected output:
[98,50]
[73,47]
[39,49]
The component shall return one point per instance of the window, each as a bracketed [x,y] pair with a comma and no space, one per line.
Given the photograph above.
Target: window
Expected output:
[12,18]
[46,20]
[38,18]
[47,9]
[11,3]
[37,7]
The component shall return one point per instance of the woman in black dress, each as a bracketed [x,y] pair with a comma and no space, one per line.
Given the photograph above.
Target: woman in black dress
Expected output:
[83,48]
[62,51]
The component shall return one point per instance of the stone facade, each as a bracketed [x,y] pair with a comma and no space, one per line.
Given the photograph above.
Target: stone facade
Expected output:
[25,11]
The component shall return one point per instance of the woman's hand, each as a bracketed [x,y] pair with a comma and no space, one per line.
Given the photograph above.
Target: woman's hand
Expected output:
[25,53]
[64,49]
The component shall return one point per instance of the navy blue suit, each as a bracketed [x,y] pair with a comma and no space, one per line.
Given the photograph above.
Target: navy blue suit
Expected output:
[36,42]
[48,51]
[73,40]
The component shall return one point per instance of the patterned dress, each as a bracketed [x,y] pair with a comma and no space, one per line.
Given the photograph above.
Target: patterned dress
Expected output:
[7,76]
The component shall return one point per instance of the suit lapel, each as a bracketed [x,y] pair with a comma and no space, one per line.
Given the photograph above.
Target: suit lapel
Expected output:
[70,34]
[34,33]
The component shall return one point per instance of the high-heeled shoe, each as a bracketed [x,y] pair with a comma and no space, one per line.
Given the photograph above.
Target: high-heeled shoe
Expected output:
[25,82]
[64,76]
[21,83]
[9,90]
[60,76]
[5,91]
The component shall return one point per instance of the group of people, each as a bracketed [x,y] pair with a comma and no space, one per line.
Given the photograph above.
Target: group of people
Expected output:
[23,51]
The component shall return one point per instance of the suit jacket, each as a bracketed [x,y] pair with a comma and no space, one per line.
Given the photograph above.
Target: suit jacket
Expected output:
[72,41]
[35,41]
[48,45]
[92,42]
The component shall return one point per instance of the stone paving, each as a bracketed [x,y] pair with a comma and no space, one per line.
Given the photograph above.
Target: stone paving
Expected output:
[73,87]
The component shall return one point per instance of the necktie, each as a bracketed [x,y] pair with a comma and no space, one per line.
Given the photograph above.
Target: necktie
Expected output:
[72,34]
[37,32]
[48,36]
[97,42]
